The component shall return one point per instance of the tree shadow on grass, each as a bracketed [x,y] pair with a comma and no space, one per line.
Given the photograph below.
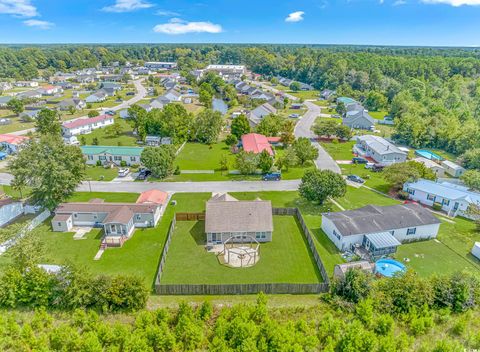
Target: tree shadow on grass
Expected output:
[198,233]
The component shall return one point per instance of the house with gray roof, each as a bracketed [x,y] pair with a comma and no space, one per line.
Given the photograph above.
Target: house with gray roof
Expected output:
[97,97]
[226,216]
[31,94]
[451,198]
[77,104]
[379,229]
[379,149]
[357,117]
[257,114]
[4,101]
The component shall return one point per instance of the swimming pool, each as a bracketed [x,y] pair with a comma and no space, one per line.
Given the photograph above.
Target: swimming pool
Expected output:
[428,155]
[388,267]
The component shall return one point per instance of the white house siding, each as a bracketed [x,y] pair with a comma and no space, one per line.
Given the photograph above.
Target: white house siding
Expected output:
[9,212]
[450,206]
[116,159]
[221,237]
[345,242]
[62,225]
[86,128]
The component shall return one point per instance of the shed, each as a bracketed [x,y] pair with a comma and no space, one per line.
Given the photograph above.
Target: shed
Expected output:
[453,169]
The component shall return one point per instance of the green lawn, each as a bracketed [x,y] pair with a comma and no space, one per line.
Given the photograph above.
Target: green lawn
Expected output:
[99,173]
[339,151]
[307,94]
[196,156]
[359,197]
[378,115]
[372,179]
[125,139]
[106,196]
[189,263]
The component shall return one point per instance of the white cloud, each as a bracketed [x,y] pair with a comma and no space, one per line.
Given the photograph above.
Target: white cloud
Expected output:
[178,26]
[166,13]
[455,3]
[20,8]
[128,5]
[296,16]
[39,24]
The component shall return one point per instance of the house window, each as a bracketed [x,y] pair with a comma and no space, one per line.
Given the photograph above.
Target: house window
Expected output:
[132,158]
[431,197]
[410,191]
[102,157]
[117,157]
[392,232]
[446,202]
[411,231]
[139,217]
[75,215]
[59,224]
[336,234]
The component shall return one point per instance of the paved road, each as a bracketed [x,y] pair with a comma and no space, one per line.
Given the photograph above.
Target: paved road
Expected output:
[140,94]
[190,187]
[304,129]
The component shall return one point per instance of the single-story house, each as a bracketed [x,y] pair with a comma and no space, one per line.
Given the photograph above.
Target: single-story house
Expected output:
[50,90]
[9,210]
[226,217]
[118,220]
[86,78]
[5,86]
[453,169]
[257,143]
[29,115]
[379,149]
[159,102]
[476,250]
[173,95]
[155,141]
[31,94]
[379,229]
[97,97]
[227,70]
[437,169]
[30,84]
[451,198]
[76,103]
[111,154]
[11,143]
[358,118]
[257,114]
[161,65]
[83,126]
[327,94]
[111,85]
[340,270]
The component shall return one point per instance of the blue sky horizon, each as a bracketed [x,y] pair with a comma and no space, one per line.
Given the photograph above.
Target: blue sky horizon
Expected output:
[443,23]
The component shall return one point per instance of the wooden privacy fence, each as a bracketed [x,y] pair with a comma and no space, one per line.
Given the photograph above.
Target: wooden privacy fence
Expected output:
[189,216]
[238,289]
[241,289]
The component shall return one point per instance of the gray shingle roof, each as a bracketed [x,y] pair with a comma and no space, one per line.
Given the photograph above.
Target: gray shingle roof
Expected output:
[226,214]
[374,219]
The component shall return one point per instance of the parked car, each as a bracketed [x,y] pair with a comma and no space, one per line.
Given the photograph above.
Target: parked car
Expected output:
[130,93]
[377,168]
[359,160]
[294,116]
[143,173]
[355,178]
[272,176]
[123,172]
[369,166]
[337,116]
[110,112]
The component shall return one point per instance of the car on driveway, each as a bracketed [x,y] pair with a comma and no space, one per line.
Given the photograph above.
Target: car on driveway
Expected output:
[143,174]
[359,160]
[294,116]
[123,172]
[110,112]
[355,178]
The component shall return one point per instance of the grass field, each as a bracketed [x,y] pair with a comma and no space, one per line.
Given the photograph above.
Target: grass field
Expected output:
[372,179]
[125,139]
[339,151]
[196,156]
[378,115]
[189,263]
[99,173]
[307,94]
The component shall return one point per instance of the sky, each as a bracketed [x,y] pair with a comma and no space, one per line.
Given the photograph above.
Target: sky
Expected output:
[363,22]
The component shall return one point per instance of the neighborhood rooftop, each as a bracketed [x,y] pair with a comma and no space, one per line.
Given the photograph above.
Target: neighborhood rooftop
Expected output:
[375,219]
[114,150]
[85,122]
[445,189]
[379,144]
[227,214]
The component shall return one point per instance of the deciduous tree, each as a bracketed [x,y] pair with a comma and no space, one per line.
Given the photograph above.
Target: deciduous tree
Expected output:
[318,185]
[159,160]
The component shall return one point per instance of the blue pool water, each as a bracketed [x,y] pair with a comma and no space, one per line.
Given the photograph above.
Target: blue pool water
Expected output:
[388,267]
[428,155]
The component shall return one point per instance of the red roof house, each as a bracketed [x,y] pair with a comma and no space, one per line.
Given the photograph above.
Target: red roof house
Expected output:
[12,139]
[84,122]
[256,143]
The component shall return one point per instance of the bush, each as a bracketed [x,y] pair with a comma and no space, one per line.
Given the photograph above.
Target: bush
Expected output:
[99,163]
[123,163]
[177,171]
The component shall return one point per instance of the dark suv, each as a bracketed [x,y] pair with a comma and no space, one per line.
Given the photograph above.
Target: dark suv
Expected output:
[143,174]
[359,160]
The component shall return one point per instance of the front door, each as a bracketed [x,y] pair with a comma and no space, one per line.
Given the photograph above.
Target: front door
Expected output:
[455,206]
